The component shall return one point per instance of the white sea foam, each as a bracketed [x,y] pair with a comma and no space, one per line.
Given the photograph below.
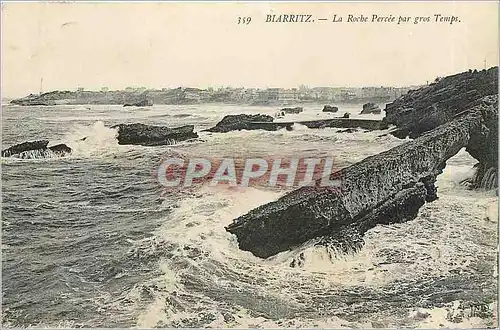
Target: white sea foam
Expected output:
[446,238]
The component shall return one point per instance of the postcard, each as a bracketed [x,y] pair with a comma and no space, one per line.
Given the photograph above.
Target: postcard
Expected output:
[250,164]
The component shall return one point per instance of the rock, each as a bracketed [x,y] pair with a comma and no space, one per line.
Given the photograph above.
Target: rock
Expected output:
[25,146]
[293,110]
[330,108]
[60,149]
[370,108]
[426,108]
[386,188]
[142,103]
[252,122]
[149,135]
[450,97]
[238,122]
[36,149]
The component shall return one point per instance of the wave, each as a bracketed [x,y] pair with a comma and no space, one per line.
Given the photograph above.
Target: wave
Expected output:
[208,281]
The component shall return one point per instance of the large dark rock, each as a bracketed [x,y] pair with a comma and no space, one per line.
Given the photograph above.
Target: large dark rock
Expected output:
[60,149]
[238,122]
[426,108]
[36,149]
[25,146]
[330,108]
[149,135]
[293,110]
[370,108]
[386,188]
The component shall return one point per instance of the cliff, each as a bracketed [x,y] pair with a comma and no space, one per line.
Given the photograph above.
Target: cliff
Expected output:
[428,107]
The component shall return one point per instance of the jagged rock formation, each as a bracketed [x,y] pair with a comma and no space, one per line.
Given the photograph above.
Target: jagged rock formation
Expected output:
[149,135]
[293,110]
[330,108]
[370,108]
[238,122]
[386,188]
[423,109]
[426,108]
[36,149]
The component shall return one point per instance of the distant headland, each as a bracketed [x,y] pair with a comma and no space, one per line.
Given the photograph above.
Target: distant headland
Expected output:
[142,96]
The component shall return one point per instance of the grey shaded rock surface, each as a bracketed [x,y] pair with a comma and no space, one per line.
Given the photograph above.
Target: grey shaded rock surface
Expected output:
[25,146]
[426,108]
[386,188]
[238,122]
[36,149]
[370,108]
[447,98]
[330,108]
[293,110]
[150,135]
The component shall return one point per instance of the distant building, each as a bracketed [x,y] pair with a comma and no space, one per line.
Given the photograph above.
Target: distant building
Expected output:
[273,94]
[288,95]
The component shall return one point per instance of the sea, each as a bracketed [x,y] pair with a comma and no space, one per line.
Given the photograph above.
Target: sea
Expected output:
[93,240]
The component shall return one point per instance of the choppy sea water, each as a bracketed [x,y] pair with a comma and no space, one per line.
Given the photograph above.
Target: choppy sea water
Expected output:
[92,240]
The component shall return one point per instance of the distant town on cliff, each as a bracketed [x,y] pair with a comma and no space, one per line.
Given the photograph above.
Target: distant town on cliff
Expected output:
[141,96]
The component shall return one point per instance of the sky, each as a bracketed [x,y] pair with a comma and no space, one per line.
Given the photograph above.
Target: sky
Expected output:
[157,45]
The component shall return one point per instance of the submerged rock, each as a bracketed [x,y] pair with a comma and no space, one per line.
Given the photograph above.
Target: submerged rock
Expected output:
[370,108]
[386,188]
[238,122]
[149,135]
[330,108]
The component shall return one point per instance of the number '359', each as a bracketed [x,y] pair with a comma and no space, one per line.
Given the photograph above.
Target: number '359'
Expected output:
[244,20]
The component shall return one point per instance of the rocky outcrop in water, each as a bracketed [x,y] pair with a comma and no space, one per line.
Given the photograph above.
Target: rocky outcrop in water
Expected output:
[25,146]
[293,110]
[386,188]
[142,103]
[36,149]
[330,108]
[238,122]
[370,108]
[264,122]
[424,109]
[149,135]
